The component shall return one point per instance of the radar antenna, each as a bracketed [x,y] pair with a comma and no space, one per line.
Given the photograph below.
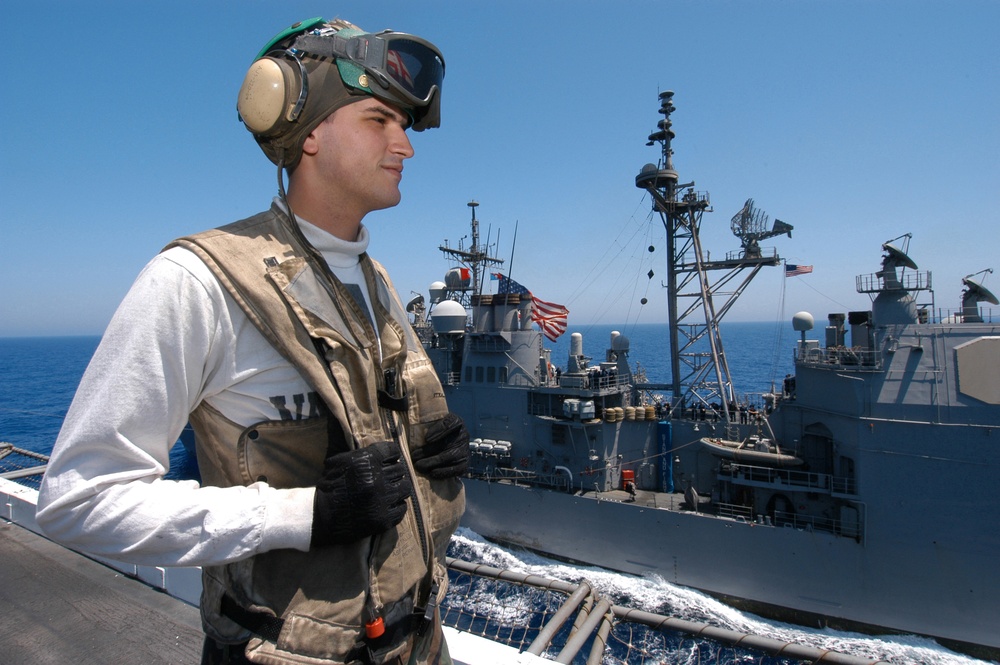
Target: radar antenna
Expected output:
[750,226]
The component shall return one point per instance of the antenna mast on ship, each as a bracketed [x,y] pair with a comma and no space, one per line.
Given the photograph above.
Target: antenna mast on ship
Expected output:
[475,259]
[696,306]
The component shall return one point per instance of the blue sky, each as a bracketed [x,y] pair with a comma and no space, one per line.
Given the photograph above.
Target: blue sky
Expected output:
[854,121]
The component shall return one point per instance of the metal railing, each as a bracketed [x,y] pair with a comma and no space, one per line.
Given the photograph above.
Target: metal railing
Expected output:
[573,623]
[24,466]
[740,473]
[785,519]
[919,280]
[840,357]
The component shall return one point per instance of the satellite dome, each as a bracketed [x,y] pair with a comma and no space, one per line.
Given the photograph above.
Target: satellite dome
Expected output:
[802,322]
[449,317]
[437,291]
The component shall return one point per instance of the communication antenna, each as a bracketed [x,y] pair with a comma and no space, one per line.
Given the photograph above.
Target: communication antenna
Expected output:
[974,294]
[475,262]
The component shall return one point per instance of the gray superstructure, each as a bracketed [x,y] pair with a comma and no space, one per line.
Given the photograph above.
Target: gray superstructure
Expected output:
[864,493]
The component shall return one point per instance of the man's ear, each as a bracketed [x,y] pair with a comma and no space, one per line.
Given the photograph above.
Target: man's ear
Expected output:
[311,145]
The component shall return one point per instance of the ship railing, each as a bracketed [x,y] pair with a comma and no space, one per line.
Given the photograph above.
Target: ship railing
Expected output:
[452,378]
[23,466]
[566,622]
[918,280]
[691,199]
[734,511]
[787,519]
[844,486]
[768,253]
[958,316]
[749,474]
[609,380]
[839,357]
[559,481]
[792,520]
[593,380]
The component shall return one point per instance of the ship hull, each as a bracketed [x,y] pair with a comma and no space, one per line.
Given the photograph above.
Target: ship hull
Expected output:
[792,574]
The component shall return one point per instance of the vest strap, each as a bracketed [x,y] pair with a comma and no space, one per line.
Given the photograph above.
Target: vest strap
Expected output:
[387,401]
[269,626]
[261,624]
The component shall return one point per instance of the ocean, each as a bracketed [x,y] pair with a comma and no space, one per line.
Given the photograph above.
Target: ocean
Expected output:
[38,377]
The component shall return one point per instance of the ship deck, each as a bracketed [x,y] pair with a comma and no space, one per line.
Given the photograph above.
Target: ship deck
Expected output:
[61,607]
[649,499]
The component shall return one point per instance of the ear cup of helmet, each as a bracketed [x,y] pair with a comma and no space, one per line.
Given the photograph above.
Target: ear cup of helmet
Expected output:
[273,93]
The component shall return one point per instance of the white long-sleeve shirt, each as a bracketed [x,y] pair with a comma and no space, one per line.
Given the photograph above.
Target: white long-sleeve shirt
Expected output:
[177,339]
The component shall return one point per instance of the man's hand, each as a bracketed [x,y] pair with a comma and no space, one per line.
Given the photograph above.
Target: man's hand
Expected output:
[362,492]
[445,453]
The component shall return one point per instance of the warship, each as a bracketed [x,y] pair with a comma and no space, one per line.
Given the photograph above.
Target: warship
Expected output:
[860,494]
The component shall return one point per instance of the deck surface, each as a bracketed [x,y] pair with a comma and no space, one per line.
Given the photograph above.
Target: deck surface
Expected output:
[60,607]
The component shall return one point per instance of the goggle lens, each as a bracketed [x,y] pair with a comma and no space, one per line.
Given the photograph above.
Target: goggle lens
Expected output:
[416,68]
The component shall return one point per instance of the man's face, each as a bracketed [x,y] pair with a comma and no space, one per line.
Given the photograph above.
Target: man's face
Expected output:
[359,153]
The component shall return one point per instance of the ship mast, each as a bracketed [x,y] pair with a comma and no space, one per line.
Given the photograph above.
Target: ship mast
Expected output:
[696,305]
[476,259]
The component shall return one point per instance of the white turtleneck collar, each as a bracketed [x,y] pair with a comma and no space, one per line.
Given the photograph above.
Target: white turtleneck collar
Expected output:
[342,256]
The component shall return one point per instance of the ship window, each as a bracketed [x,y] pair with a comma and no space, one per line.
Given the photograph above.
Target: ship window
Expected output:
[479,374]
[503,374]
[491,375]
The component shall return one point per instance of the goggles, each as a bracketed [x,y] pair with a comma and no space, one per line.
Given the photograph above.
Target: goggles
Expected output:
[400,68]
[407,65]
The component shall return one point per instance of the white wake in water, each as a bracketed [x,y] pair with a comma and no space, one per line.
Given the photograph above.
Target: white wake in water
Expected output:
[653,594]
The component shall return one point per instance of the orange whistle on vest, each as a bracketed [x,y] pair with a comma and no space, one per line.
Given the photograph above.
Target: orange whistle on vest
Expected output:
[375,628]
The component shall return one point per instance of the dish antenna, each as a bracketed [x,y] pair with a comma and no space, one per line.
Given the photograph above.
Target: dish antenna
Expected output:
[896,257]
[975,293]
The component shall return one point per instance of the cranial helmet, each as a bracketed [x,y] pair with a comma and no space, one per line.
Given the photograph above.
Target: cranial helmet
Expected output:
[311,69]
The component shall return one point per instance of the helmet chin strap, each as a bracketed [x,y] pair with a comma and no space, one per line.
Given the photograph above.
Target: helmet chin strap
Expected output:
[281,182]
[281,191]
[293,225]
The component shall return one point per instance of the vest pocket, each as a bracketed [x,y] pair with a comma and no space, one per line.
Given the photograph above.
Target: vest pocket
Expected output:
[284,453]
[427,401]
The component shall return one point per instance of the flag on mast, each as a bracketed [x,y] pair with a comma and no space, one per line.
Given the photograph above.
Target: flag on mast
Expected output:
[550,317]
[794,270]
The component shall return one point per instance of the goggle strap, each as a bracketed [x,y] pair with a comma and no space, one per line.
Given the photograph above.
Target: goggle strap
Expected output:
[333,46]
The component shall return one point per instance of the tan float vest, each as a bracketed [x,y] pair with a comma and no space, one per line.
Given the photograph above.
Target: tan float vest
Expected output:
[322,595]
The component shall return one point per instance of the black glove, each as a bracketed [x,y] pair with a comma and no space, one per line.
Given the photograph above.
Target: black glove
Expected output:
[445,453]
[362,492]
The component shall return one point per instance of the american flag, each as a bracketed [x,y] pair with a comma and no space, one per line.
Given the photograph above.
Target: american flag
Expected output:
[394,61]
[793,270]
[550,317]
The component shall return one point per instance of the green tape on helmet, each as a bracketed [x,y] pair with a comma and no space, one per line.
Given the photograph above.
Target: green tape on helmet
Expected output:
[294,29]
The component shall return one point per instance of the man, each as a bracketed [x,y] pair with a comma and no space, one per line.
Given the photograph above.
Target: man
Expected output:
[329,461]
